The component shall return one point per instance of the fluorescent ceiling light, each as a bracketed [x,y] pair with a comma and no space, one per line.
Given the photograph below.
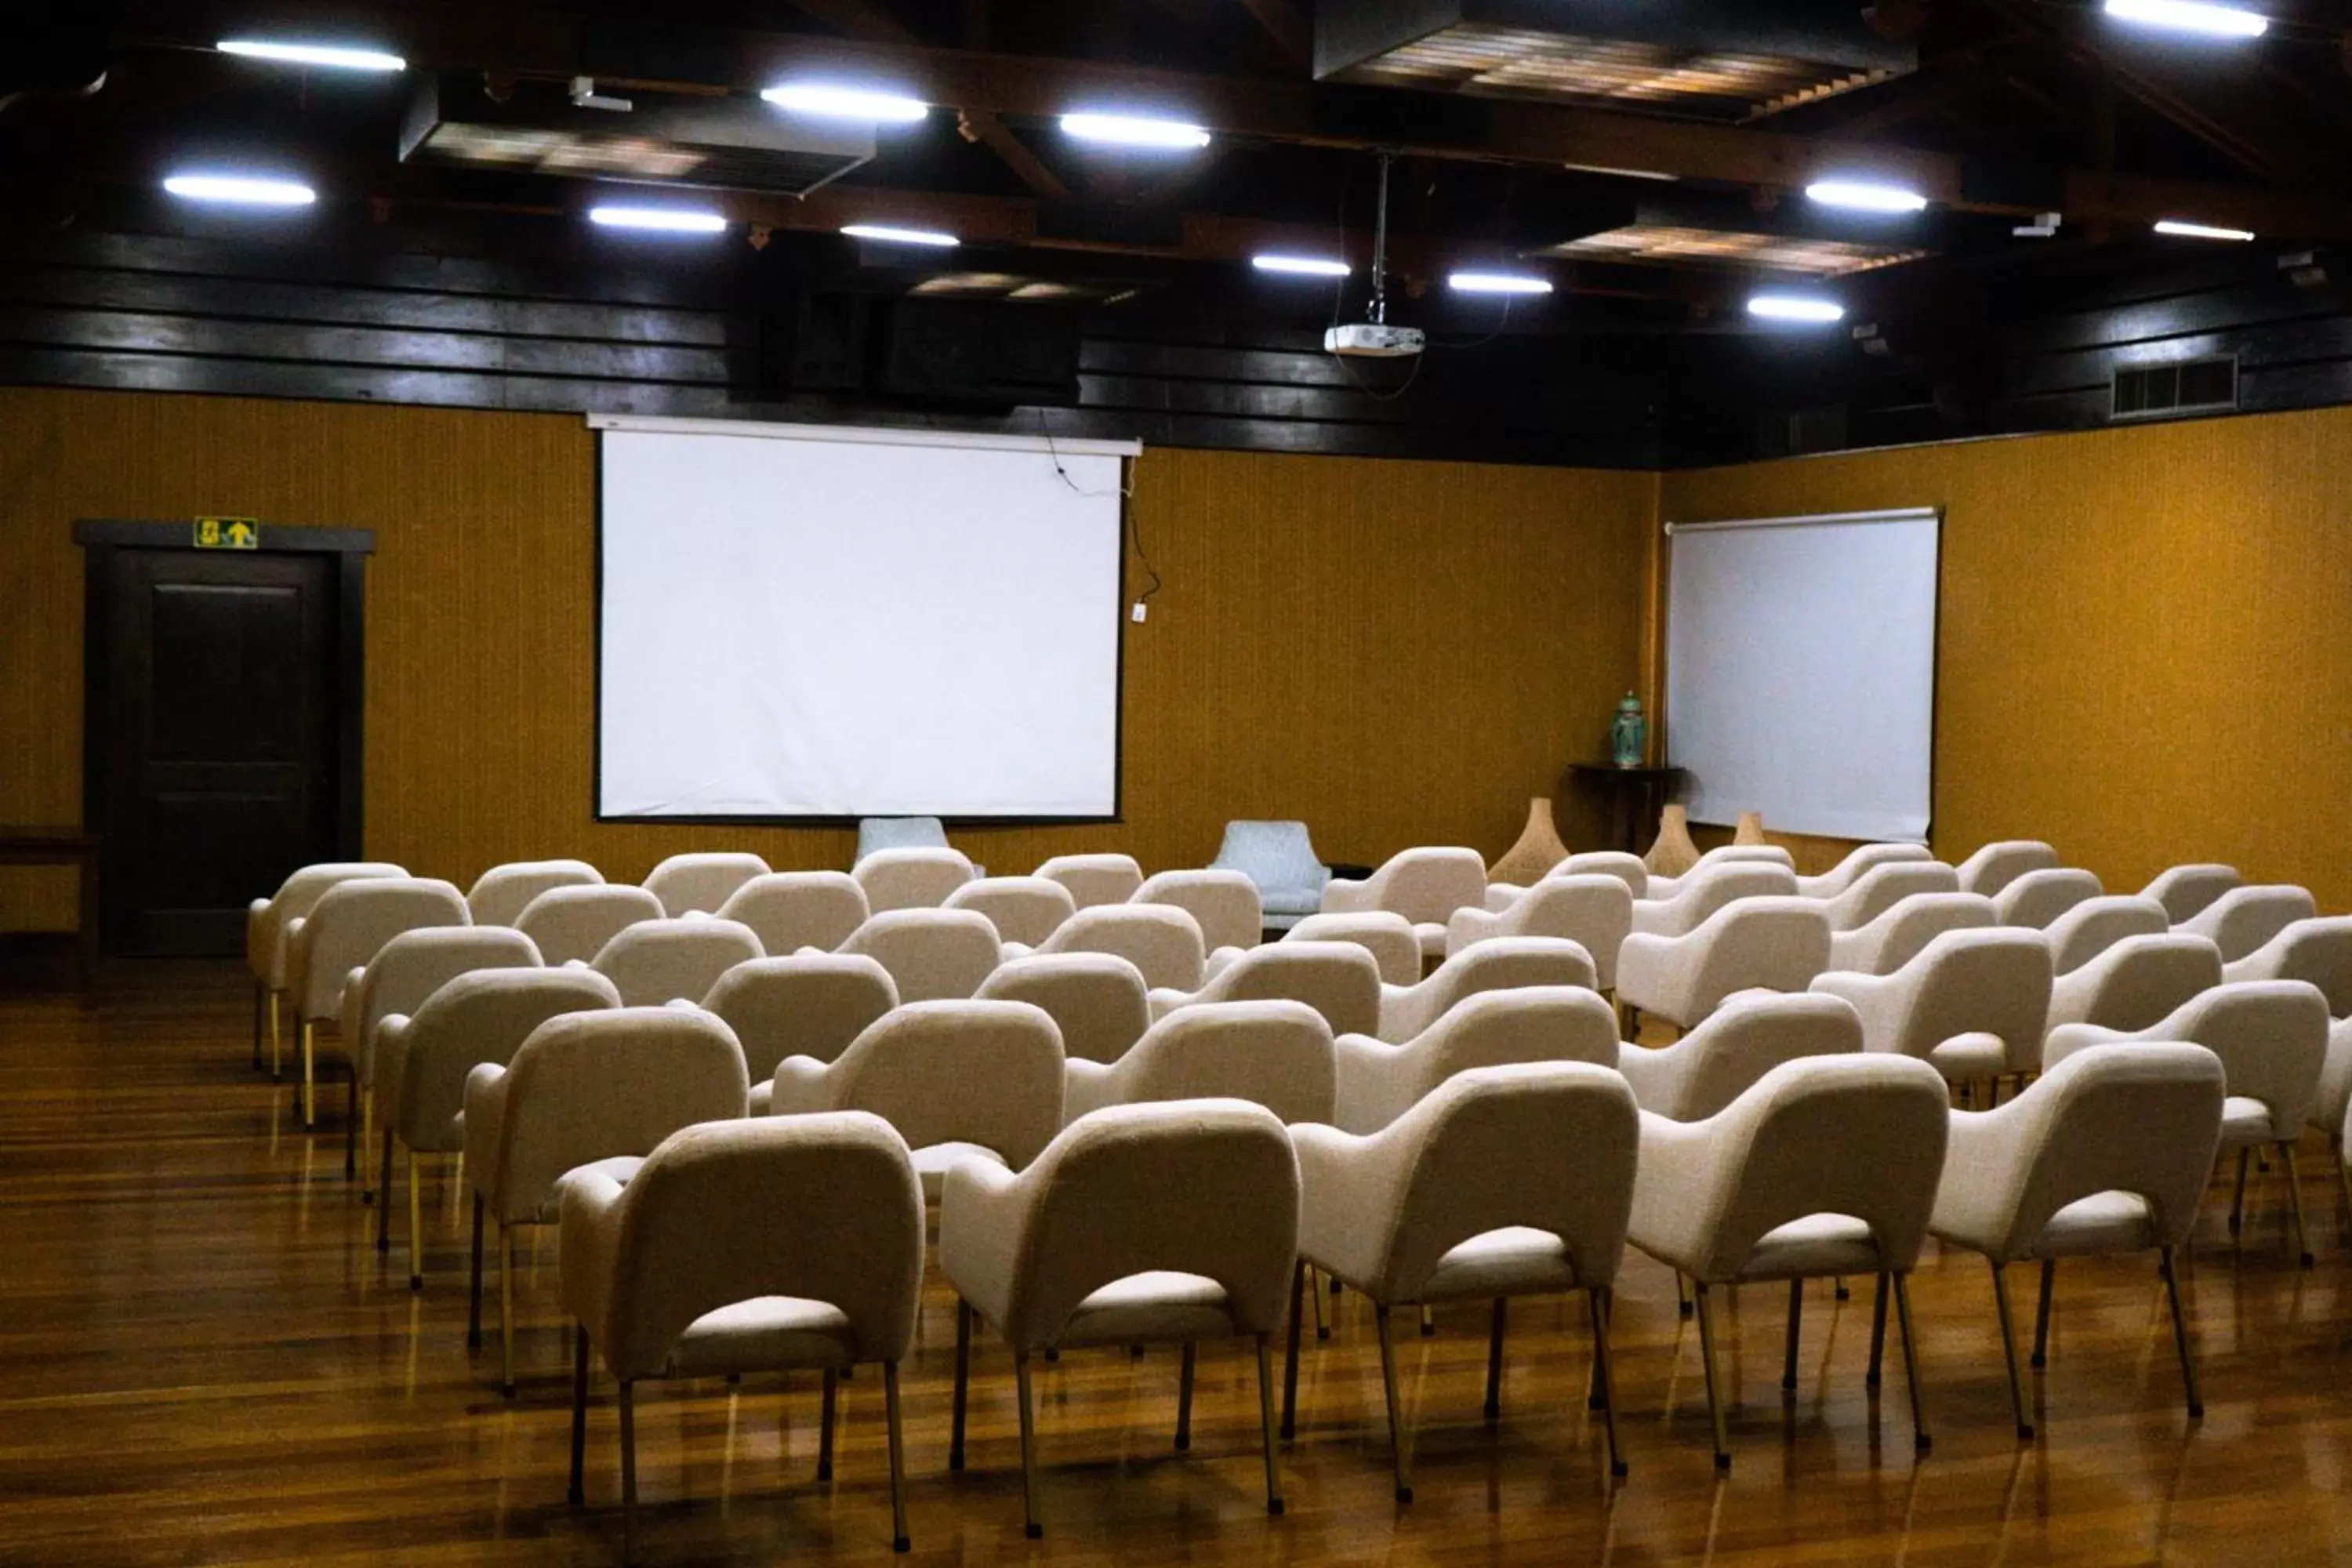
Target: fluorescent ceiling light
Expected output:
[2189,17]
[241,190]
[659,220]
[889,235]
[1622,174]
[1135,131]
[332,56]
[1865,195]
[2200,230]
[1795,308]
[1301,266]
[1498,283]
[830,100]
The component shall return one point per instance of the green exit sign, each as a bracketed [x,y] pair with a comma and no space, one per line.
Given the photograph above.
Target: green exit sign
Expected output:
[228,533]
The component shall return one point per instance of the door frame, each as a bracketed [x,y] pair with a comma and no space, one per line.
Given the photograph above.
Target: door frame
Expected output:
[101,537]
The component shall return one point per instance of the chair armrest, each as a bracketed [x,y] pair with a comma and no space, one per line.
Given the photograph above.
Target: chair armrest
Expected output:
[1366,1095]
[801,1084]
[1678,1201]
[1501,895]
[1464,927]
[389,1058]
[1976,1197]
[1345,1209]
[485,1105]
[589,1221]
[1218,962]
[1655,1073]
[983,1219]
[1007,951]
[1087,1086]
[1165,999]
[2067,1038]
[1346,898]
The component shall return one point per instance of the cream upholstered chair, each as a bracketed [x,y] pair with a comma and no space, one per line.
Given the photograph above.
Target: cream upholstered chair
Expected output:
[2272,1038]
[2107,1153]
[1425,886]
[572,924]
[1025,910]
[1512,1180]
[1160,940]
[789,910]
[1379,1082]
[1748,1037]
[265,936]
[1627,868]
[808,1005]
[2136,982]
[654,962]
[959,1080]
[1704,893]
[1972,1004]
[1881,888]
[423,1061]
[1389,938]
[402,973]
[1274,1054]
[585,1088]
[2186,891]
[2241,920]
[501,894]
[2095,925]
[1859,863]
[1097,1000]
[1997,865]
[1139,1224]
[1094,879]
[1279,859]
[1715,860]
[1499,963]
[1594,912]
[2037,897]
[1828,1166]
[1765,944]
[701,883]
[933,956]
[2318,950]
[1225,903]
[344,930]
[912,878]
[1896,937]
[762,1245]
[1338,979]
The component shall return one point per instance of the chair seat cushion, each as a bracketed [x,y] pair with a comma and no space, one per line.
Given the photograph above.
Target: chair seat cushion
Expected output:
[934,1161]
[1162,1304]
[764,1332]
[2103,1223]
[2245,1122]
[1816,1245]
[1517,1260]
[1971,1055]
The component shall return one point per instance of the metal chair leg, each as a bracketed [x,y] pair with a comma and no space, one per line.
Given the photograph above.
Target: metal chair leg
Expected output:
[2295,1201]
[310,1077]
[277,1043]
[367,1141]
[900,1541]
[1184,1398]
[825,1412]
[577,1494]
[352,1125]
[1911,1362]
[1396,1412]
[1682,1294]
[1322,1326]
[260,1007]
[2238,1198]
[474,1292]
[2343,1178]
[1796,1318]
[2180,1336]
[1266,1423]
[1701,1307]
[383,1209]
[1034,1530]
[1495,1361]
[506,1309]
[1301,1281]
[1877,1333]
[1607,1378]
[628,1408]
[2008,1348]
[1428,1323]
[963,1382]
[416,1226]
[2042,1315]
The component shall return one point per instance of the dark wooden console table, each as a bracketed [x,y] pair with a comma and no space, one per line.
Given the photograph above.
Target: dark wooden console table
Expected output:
[1637,798]
[62,846]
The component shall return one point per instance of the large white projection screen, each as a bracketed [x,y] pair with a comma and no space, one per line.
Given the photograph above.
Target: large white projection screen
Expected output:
[1800,671]
[802,621]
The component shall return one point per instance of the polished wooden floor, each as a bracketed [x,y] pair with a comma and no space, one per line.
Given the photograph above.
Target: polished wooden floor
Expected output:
[202,1359]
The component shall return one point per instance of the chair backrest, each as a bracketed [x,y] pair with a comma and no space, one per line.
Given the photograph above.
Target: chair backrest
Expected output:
[1715,859]
[349,924]
[1896,937]
[1094,879]
[1274,1054]
[2272,1038]
[2318,950]
[1427,885]
[1595,911]
[1097,1000]
[1386,936]
[1859,863]
[1994,982]
[2187,890]
[654,962]
[1025,910]
[1626,868]
[703,882]
[1338,979]
[1160,940]
[1708,889]
[1727,1054]
[898,833]
[1997,865]
[823,1207]
[1881,888]
[500,895]
[265,927]
[1492,1029]
[1225,903]
[2034,899]
[1276,855]
[2095,925]
[933,956]
[2136,982]
[959,1072]
[789,910]
[912,879]
[414,964]
[2243,919]
[800,1004]
[570,923]
[1500,963]
[481,1016]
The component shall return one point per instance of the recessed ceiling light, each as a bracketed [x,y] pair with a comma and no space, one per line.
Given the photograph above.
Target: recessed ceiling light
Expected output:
[1135,131]
[241,190]
[1498,283]
[1301,266]
[2189,17]
[890,235]
[1795,308]
[1865,195]
[2187,230]
[832,101]
[335,56]
[658,220]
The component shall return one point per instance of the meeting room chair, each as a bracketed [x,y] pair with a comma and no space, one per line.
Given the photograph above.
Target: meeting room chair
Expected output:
[1279,859]
[2135,982]
[1704,1071]
[1023,910]
[2034,899]
[1377,1082]
[1765,944]
[1662,886]
[912,879]
[501,894]
[1827,1167]
[1138,1224]
[1274,1054]
[2187,890]
[1972,1004]
[1896,937]
[266,921]
[2241,920]
[2095,925]
[1160,940]
[1097,1000]
[1997,865]
[1506,1181]
[1627,868]
[344,930]
[2106,1155]
[701,883]
[1225,903]
[571,925]
[687,1267]
[582,1089]
[1596,912]
[808,1005]
[789,910]
[1499,963]
[1704,893]
[933,956]
[1338,979]
[1859,863]
[1094,879]
[876,833]
[655,962]
[1425,886]
[2318,950]
[1881,888]
[1389,938]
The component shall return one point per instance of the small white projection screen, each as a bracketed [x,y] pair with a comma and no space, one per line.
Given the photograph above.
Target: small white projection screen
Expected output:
[1800,671]
[802,621]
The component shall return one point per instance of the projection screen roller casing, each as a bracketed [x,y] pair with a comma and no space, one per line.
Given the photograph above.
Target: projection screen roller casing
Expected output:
[811,622]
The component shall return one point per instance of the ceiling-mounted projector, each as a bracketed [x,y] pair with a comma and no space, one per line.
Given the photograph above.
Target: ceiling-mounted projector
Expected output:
[1375,339]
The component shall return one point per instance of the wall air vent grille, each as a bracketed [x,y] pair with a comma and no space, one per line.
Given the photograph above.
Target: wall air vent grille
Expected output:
[2179,386]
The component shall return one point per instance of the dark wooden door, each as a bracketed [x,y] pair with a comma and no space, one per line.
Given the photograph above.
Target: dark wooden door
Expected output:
[216,750]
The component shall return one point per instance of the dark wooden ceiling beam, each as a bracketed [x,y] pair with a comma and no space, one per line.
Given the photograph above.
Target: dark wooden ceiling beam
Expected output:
[1287,25]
